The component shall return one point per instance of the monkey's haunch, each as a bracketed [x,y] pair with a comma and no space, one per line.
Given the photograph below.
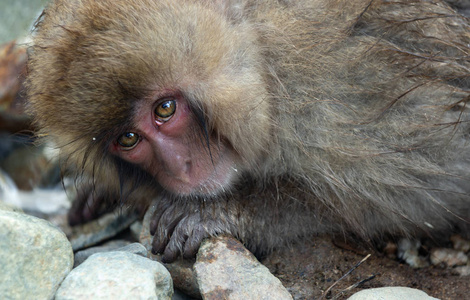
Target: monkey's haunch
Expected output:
[267,120]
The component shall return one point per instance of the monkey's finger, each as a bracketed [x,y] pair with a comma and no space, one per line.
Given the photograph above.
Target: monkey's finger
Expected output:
[160,238]
[175,245]
[164,232]
[153,225]
[193,242]
[170,255]
[157,215]
[159,243]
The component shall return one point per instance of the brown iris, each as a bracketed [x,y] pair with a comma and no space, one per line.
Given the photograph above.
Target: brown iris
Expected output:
[165,110]
[128,140]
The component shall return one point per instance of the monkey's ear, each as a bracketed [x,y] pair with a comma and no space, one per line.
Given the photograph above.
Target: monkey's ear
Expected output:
[232,9]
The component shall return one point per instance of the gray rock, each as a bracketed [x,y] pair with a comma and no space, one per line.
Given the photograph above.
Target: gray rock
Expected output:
[35,256]
[82,255]
[227,270]
[117,275]
[134,248]
[391,293]
[117,245]
[101,229]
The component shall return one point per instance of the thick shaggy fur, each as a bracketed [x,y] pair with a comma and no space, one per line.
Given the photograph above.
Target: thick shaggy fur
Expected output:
[350,116]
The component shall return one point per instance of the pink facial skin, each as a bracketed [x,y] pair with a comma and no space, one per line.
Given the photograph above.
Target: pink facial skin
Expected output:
[174,151]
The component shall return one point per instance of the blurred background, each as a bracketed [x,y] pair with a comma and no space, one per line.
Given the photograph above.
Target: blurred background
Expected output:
[16,18]
[29,172]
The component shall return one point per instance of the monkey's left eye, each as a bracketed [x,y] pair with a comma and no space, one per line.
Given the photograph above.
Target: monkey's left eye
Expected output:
[165,110]
[128,140]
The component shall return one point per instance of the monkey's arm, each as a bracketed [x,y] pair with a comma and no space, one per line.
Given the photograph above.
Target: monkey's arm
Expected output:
[262,217]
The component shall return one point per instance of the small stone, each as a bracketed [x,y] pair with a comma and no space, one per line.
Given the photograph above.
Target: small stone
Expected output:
[117,275]
[35,256]
[391,250]
[408,251]
[391,293]
[462,271]
[460,243]
[449,257]
[227,270]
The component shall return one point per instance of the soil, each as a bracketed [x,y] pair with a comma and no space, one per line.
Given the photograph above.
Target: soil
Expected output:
[312,268]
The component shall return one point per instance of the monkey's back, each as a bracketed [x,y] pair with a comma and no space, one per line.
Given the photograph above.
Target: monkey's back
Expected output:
[372,101]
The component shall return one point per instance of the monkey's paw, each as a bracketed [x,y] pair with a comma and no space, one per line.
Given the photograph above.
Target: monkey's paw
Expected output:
[180,230]
[90,204]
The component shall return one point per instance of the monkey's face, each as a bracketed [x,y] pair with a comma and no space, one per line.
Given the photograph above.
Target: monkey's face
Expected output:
[167,141]
[176,90]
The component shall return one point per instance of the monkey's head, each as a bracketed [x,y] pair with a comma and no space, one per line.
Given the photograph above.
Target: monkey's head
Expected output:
[175,90]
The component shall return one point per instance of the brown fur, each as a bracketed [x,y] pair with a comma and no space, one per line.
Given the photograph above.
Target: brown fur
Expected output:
[349,116]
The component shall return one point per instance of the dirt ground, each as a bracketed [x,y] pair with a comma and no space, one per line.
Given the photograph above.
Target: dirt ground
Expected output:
[314,267]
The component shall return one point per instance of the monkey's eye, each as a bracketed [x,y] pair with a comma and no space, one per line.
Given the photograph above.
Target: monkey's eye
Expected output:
[128,140]
[165,110]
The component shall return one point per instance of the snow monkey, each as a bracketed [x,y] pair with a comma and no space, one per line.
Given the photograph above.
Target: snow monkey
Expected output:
[268,120]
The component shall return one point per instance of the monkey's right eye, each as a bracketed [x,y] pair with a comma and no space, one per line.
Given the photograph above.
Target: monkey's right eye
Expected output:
[128,140]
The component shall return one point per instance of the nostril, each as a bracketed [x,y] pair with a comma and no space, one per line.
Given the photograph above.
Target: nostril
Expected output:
[187,167]
[183,171]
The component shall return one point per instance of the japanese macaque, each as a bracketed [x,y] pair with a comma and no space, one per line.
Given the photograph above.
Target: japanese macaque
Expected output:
[271,121]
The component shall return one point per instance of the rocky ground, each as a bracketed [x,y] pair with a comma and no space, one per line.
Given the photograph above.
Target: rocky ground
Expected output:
[319,264]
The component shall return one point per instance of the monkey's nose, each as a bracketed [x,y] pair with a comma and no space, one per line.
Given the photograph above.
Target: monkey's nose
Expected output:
[179,168]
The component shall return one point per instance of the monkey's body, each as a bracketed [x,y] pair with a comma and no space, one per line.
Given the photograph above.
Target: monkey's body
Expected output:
[310,116]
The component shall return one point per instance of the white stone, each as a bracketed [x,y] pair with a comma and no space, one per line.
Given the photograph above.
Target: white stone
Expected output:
[117,275]
[391,293]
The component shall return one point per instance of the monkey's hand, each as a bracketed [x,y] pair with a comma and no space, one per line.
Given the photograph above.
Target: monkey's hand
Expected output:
[89,204]
[93,201]
[178,228]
